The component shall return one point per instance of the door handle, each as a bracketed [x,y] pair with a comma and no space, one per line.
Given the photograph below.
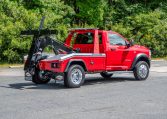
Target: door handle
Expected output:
[113,49]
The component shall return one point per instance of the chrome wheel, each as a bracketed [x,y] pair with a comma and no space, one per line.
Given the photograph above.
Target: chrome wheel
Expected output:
[143,71]
[76,76]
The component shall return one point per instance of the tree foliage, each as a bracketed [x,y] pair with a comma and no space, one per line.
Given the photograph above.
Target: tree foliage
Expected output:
[142,20]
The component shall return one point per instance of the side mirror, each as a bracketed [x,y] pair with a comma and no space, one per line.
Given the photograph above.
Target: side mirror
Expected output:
[131,42]
[128,45]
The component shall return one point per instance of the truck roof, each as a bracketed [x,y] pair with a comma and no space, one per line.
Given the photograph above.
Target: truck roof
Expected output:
[84,29]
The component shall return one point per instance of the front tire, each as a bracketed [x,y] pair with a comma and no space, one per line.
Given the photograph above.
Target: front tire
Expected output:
[74,77]
[38,79]
[141,70]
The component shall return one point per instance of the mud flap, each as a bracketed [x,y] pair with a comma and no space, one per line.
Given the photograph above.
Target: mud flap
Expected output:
[28,76]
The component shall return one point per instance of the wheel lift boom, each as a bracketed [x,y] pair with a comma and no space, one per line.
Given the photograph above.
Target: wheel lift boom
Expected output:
[41,40]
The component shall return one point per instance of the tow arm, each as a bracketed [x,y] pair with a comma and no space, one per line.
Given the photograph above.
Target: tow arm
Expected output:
[41,39]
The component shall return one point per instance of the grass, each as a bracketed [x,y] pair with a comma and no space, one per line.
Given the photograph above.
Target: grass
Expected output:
[3,65]
[165,58]
[159,58]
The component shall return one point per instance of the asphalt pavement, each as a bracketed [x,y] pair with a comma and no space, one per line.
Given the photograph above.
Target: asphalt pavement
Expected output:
[120,97]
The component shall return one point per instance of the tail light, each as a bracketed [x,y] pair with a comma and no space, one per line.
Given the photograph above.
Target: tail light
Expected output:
[55,65]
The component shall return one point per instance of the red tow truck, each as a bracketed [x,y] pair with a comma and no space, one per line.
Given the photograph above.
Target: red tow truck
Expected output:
[86,50]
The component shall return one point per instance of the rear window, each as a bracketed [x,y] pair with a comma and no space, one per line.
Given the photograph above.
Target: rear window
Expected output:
[86,38]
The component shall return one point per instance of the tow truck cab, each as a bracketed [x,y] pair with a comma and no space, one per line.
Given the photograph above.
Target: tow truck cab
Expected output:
[97,51]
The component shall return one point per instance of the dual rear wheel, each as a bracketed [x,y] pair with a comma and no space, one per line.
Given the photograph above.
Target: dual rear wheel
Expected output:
[73,78]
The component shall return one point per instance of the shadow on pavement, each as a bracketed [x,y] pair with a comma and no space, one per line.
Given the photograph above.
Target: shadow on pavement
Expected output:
[100,80]
[31,85]
[60,85]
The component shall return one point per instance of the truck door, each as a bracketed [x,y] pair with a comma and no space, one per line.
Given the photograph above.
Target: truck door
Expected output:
[116,52]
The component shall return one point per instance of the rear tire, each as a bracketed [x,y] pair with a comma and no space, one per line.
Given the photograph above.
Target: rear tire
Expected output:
[37,79]
[141,70]
[106,75]
[74,77]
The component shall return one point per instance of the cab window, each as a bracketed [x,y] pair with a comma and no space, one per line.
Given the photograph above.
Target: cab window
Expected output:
[115,39]
[86,38]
